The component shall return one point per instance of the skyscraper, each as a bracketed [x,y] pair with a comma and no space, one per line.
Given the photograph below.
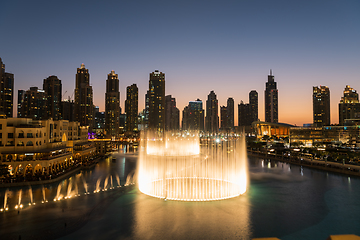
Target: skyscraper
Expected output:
[131,108]
[248,112]
[271,100]
[6,91]
[112,105]
[321,106]
[84,108]
[253,101]
[156,97]
[35,104]
[53,88]
[193,116]
[223,118]
[21,94]
[212,116]
[349,106]
[172,114]
[230,114]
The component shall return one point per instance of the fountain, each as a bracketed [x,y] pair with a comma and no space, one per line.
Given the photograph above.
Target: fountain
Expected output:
[31,196]
[68,195]
[5,201]
[58,196]
[85,186]
[105,183]
[19,205]
[175,167]
[97,187]
[111,182]
[118,180]
[43,193]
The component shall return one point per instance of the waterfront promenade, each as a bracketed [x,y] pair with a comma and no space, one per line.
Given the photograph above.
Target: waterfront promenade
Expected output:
[349,169]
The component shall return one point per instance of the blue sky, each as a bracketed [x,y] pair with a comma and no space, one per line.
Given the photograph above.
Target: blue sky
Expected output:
[225,46]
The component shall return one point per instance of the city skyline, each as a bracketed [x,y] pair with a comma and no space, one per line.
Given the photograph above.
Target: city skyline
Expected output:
[227,47]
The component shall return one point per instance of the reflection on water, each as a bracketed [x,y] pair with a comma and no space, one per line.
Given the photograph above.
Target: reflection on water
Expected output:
[228,219]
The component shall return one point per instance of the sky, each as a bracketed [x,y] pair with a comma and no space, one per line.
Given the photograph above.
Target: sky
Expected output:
[225,46]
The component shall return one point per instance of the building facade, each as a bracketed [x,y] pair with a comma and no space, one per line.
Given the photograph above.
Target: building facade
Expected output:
[230,114]
[321,106]
[84,108]
[131,108]
[35,104]
[112,105]
[172,114]
[271,100]
[156,96]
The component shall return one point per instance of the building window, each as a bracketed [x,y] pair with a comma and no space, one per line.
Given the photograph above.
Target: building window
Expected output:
[10,135]
[29,135]
[29,143]
[21,135]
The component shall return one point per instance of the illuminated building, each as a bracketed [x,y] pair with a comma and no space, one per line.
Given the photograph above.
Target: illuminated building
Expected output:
[112,105]
[83,98]
[131,108]
[35,104]
[321,106]
[68,106]
[52,86]
[253,101]
[349,106]
[6,91]
[21,94]
[172,114]
[271,100]
[212,116]
[156,96]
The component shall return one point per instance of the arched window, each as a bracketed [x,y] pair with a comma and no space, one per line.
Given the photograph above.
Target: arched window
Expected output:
[20,143]
[29,143]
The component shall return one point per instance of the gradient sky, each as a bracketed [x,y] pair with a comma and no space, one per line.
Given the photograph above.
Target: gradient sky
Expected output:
[225,46]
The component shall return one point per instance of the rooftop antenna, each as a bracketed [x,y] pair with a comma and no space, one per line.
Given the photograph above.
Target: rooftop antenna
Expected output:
[270,72]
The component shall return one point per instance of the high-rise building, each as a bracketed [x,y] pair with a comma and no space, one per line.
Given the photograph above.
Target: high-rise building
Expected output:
[53,88]
[248,112]
[68,107]
[35,104]
[271,100]
[230,114]
[112,105]
[244,114]
[253,101]
[193,116]
[156,95]
[84,108]
[6,91]
[223,118]
[349,106]
[172,114]
[21,94]
[212,116]
[131,108]
[321,106]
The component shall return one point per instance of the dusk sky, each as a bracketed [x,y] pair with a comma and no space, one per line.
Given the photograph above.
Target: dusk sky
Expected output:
[225,46]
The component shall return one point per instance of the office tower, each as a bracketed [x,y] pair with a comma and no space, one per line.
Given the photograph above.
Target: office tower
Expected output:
[349,106]
[35,104]
[223,118]
[321,106]
[253,101]
[6,91]
[112,105]
[172,114]
[244,114]
[212,116]
[84,108]
[156,97]
[68,107]
[271,100]
[53,88]
[100,121]
[131,108]
[21,94]
[230,113]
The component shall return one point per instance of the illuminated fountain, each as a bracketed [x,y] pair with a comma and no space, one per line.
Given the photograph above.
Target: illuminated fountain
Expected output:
[175,167]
